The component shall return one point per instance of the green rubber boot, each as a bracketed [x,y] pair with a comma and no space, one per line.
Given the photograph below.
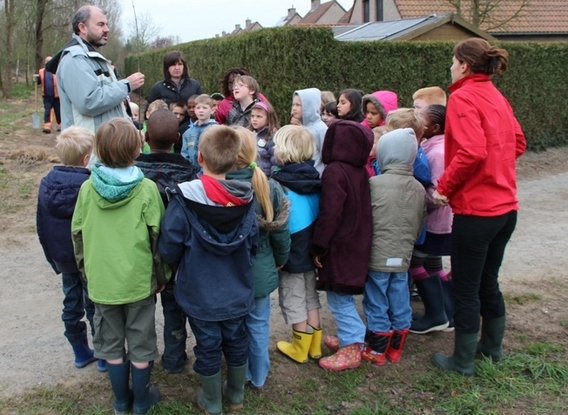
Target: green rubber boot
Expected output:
[491,342]
[209,396]
[234,387]
[463,359]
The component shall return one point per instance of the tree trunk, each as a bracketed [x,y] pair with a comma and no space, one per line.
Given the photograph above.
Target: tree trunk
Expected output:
[40,13]
[9,10]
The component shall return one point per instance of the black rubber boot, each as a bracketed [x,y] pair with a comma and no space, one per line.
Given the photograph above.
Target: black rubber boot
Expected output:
[145,396]
[463,359]
[491,342]
[118,375]
[434,318]
[448,304]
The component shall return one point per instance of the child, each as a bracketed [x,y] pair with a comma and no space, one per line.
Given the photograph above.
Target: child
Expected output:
[306,111]
[299,300]
[57,196]
[326,98]
[135,109]
[386,302]
[191,109]
[190,139]
[115,230]
[272,211]
[167,169]
[376,107]
[153,106]
[329,113]
[408,118]
[429,96]
[210,231]
[341,244]
[245,92]
[349,105]
[264,123]
[433,284]
[217,97]
[179,109]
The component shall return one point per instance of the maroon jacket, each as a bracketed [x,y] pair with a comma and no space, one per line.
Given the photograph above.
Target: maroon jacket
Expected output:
[343,232]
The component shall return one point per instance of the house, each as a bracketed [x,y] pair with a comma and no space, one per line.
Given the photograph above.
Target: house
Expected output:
[291,18]
[327,13]
[438,28]
[510,20]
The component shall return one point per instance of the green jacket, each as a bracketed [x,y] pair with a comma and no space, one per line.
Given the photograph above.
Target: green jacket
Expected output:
[274,237]
[116,243]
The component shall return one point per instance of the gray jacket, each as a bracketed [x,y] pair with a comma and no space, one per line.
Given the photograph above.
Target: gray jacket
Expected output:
[398,201]
[311,119]
[89,92]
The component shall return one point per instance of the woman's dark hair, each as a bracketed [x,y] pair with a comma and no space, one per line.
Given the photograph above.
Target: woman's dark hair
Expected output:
[225,79]
[331,107]
[171,59]
[437,114]
[481,56]
[355,97]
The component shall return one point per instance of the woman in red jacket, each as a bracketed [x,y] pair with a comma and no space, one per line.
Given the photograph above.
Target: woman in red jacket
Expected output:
[483,140]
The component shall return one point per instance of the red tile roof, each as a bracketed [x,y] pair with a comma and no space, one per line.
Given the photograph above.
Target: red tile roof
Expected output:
[539,16]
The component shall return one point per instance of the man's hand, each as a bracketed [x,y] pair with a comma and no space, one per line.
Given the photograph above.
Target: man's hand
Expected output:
[136,80]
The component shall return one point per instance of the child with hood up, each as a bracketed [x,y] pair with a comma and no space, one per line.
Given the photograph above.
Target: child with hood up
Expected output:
[306,110]
[341,243]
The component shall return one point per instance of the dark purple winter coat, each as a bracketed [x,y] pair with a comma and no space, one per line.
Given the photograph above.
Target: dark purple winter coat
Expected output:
[343,232]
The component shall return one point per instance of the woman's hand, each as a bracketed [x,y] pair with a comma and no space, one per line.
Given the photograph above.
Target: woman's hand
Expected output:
[439,199]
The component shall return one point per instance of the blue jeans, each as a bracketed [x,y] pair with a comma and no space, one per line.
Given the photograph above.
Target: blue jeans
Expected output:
[478,247]
[175,332]
[350,327]
[258,328]
[76,304]
[387,302]
[213,338]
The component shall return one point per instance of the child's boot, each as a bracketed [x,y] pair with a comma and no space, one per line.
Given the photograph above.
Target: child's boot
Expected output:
[315,346]
[101,365]
[332,343]
[234,387]
[463,359]
[118,375]
[298,349]
[448,304]
[209,397]
[394,351]
[145,396]
[348,357]
[432,295]
[375,352]
[83,355]
[491,342]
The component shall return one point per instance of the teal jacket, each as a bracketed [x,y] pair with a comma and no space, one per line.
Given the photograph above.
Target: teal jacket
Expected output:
[115,238]
[274,237]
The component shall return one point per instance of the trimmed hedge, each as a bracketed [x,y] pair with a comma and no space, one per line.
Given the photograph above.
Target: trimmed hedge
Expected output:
[290,58]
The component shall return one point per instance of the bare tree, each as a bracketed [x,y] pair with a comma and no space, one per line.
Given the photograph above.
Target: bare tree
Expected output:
[143,33]
[9,20]
[490,14]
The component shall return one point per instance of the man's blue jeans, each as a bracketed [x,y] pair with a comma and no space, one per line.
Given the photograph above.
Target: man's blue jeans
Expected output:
[213,338]
[76,304]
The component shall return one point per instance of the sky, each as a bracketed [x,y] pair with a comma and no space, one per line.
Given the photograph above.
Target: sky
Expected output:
[203,19]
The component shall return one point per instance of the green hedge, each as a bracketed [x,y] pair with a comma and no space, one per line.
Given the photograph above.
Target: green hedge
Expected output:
[290,58]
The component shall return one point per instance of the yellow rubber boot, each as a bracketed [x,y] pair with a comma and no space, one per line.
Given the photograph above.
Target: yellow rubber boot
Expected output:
[298,349]
[315,346]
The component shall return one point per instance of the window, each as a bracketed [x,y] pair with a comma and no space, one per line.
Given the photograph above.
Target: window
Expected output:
[380,10]
[366,11]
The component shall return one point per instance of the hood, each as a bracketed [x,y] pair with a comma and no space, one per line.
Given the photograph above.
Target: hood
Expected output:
[385,101]
[53,64]
[195,191]
[397,147]
[57,187]
[301,178]
[311,103]
[115,184]
[348,142]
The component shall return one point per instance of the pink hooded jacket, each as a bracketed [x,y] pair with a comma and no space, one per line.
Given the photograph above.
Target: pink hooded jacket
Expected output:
[385,101]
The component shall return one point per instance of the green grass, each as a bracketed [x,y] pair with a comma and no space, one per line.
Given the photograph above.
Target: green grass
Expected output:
[533,380]
[521,299]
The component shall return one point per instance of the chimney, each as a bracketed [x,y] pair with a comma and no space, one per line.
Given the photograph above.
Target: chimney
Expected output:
[248,23]
[223,33]
[237,27]
[315,4]
[291,12]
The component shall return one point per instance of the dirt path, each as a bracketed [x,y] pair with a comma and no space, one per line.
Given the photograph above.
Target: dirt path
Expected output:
[33,350]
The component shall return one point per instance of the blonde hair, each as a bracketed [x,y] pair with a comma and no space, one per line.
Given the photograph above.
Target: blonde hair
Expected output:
[247,158]
[73,144]
[117,143]
[294,144]
[219,146]
[378,132]
[134,108]
[327,97]
[157,104]
[432,95]
[204,99]
[405,118]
